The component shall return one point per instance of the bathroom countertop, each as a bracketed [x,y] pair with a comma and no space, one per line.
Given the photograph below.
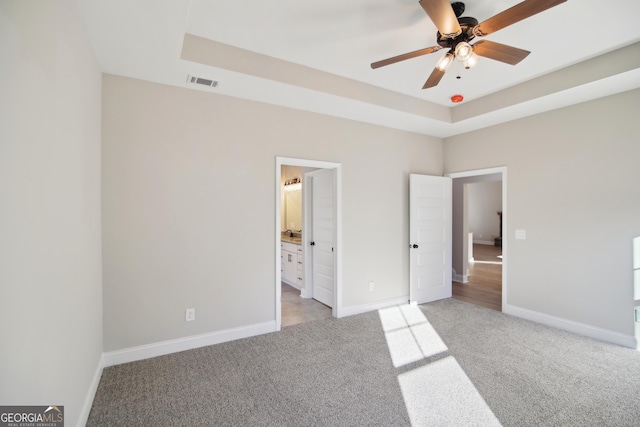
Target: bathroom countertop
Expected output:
[296,240]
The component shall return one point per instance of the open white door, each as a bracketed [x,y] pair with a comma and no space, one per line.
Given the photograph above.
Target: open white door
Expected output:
[429,238]
[322,241]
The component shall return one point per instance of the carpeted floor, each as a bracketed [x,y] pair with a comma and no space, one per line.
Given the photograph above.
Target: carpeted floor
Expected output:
[467,366]
[534,375]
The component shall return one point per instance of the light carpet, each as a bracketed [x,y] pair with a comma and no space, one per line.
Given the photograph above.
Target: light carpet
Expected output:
[462,365]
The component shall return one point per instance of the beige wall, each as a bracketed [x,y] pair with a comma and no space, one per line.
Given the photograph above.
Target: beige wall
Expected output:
[189,206]
[50,256]
[573,186]
[484,201]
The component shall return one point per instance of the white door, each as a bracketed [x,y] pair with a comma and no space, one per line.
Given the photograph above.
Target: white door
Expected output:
[322,235]
[429,238]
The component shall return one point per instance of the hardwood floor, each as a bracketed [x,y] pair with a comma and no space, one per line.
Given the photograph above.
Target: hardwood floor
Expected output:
[484,288]
[300,310]
[485,279]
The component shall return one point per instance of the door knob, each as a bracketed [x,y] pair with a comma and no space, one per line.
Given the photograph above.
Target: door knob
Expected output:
[312,243]
[414,246]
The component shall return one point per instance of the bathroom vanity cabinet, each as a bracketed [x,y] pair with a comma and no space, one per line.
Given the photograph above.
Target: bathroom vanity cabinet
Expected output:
[292,264]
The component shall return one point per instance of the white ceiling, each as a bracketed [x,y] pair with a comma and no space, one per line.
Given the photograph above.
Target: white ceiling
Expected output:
[338,40]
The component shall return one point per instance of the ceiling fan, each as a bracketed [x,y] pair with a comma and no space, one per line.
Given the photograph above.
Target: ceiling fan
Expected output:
[455,33]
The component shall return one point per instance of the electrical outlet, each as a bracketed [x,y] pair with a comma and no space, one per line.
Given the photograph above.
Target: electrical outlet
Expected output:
[371,286]
[190,315]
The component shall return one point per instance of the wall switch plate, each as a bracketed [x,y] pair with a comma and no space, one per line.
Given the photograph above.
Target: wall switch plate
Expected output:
[190,315]
[637,309]
[371,286]
[521,234]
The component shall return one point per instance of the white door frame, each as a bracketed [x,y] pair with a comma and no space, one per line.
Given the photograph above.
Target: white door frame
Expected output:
[489,171]
[280,161]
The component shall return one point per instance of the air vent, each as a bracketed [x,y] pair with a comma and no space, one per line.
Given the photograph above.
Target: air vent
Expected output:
[201,81]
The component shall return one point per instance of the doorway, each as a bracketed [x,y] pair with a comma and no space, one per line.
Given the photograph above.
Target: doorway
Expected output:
[480,256]
[306,238]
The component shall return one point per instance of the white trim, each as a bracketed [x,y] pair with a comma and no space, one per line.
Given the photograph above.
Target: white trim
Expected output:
[485,242]
[505,253]
[278,244]
[91,394]
[292,161]
[460,278]
[477,172]
[571,326]
[307,290]
[292,284]
[337,308]
[365,308]
[187,343]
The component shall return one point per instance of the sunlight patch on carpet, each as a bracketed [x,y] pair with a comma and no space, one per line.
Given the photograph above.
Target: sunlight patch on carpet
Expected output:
[410,337]
[440,393]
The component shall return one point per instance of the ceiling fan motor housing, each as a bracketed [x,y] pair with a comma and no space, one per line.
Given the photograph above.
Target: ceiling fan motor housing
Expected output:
[455,36]
[458,8]
[466,24]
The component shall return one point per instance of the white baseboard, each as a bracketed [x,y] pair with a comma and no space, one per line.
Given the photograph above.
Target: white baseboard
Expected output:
[365,308]
[187,343]
[292,284]
[460,278]
[484,242]
[305,293]
[571,326]
[91,394]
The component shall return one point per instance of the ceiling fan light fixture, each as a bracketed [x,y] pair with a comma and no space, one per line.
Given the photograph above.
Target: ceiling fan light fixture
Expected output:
[472,61]
[456,31]
[444,62]
[464,51]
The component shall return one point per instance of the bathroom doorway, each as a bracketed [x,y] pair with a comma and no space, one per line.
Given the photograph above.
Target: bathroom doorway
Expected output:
[315,252]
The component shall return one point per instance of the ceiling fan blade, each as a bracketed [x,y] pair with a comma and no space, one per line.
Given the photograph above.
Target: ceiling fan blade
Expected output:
[402,57]
[514,14]
[500,52]
[442,15]
[434,78]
